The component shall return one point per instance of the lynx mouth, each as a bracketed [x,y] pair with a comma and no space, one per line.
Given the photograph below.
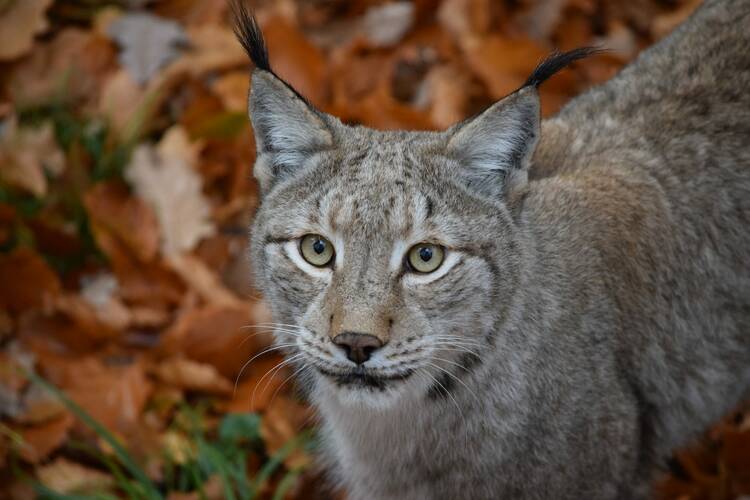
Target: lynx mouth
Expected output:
[362,377]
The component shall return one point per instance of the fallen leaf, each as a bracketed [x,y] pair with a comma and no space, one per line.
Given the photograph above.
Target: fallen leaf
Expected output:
[14,360]
[148,43]
[503,64]
[447,87]
[74,60]
[165,178]
[296,60]
[233,88]
[385,25]
[203,279]
[129,218]
[215,334]
[466,18]
[65,476]
[260,383]
[33,280]
[27,154]
[41,440]
[212,49]
[542,18]
[114,393]
[192,376]
[20,22]
[663,24]
[39,406]
[121,99]
[150,285]
[101,292]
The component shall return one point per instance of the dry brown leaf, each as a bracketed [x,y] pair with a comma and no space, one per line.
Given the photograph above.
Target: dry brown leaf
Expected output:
[192,376]
[166,178]
[26,154]
[503,64]
[212,49]
[203,280]
[381,111]
[448,88]
[87,319]
[14,360]
[33,280]
[20,22]
[296,60]
[111,207]
[385,25]
[101,293]
[74,60]
[193,12]
[663,24]
[39,406]
[41,440]
[465,18]
[65,476]
[260,384]
[114,393]
[233,88]
[148,43]
[121,98]
[214,334]
[146,284]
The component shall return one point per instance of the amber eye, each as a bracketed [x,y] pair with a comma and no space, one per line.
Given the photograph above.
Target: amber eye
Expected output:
[425,257]
[316,250]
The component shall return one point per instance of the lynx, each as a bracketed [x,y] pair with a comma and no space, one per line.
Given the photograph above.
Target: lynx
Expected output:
[516,308]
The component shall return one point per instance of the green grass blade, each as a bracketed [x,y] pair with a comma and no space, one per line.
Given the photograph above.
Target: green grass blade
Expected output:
[122,454]
[278,458]
[286,483]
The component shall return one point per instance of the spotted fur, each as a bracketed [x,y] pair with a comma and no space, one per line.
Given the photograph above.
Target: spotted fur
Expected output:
[594,313]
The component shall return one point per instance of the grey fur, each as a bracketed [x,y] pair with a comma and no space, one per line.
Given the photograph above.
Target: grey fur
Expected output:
[596,315]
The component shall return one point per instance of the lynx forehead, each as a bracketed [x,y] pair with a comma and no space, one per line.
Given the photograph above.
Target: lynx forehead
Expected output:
[509,309]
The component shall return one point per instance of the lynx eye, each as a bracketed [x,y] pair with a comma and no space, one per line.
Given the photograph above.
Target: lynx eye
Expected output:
[316,250]
[425,257]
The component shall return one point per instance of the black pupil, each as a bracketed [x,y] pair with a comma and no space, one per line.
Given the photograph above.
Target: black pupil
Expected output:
[425,253]
[319,246]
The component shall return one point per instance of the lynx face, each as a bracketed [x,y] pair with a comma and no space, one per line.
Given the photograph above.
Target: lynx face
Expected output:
[389,259]
[383,267]
[384,255]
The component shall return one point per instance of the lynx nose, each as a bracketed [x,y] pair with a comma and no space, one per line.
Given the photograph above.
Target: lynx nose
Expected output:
[358,346]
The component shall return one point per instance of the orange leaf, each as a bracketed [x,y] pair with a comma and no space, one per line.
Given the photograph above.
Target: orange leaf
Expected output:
[214,334]
[132,221]
[296,60]
[192,376]
[32,280]
[41,440]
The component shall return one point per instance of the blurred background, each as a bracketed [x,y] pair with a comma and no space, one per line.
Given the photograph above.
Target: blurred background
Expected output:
[133,355]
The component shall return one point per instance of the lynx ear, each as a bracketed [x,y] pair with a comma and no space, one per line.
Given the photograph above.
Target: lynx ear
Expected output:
[288,129]
[494,148]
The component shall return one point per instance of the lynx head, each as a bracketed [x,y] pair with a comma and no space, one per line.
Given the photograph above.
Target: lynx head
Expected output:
[388,258]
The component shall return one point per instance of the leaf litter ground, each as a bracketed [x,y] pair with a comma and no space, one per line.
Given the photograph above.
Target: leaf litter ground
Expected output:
[127,315]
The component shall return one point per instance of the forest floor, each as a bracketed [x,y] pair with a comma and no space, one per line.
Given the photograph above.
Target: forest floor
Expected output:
[127,315]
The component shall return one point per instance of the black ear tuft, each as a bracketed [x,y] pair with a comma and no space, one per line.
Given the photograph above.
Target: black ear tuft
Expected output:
[249,34]
[557,61]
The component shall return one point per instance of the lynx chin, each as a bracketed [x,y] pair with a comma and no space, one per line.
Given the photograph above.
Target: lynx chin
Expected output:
[515,308]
